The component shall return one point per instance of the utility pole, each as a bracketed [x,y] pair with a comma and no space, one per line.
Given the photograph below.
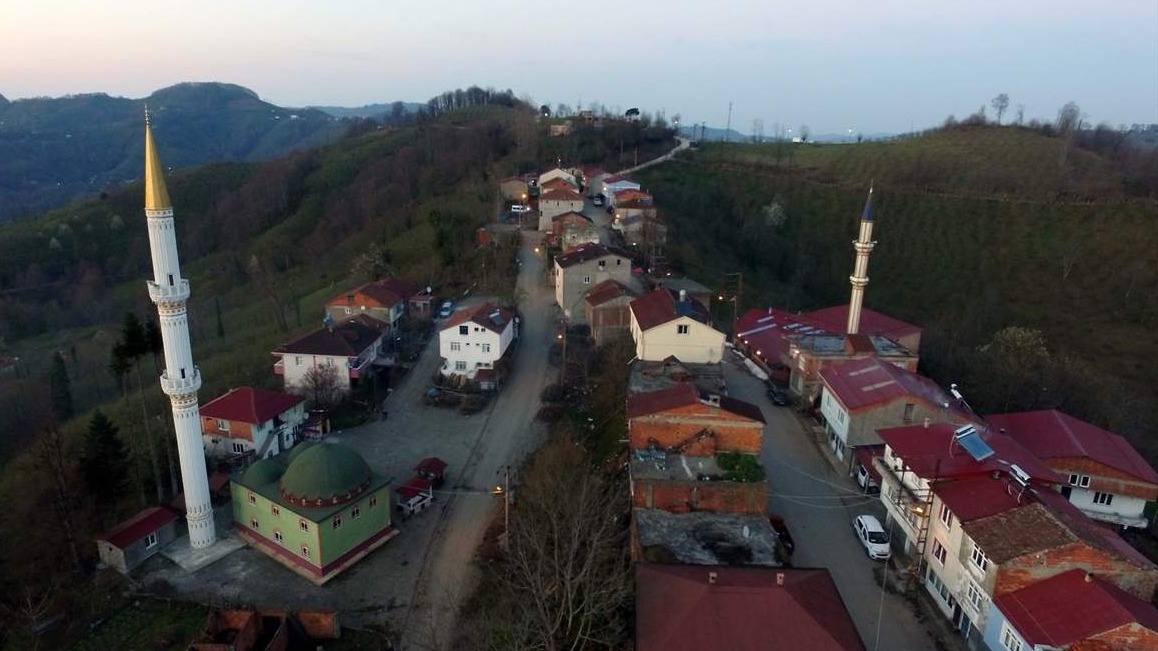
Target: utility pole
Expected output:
[505,491]
[728,129]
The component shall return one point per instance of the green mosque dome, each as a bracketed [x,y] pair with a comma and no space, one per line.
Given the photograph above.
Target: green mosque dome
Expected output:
[324,475]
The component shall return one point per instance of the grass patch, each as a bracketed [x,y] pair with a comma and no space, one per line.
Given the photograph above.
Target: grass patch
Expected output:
[148,625]
[739,467]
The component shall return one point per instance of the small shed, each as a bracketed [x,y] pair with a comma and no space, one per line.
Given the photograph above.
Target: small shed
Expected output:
[133,541]
[433,469]
[414,496]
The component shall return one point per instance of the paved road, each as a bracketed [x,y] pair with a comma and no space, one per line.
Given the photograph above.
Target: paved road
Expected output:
[819,505]
[509,435]
[684,143]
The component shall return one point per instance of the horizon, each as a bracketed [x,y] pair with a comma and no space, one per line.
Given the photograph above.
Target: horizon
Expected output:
[841,68]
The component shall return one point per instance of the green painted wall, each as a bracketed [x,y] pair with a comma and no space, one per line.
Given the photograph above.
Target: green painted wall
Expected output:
[354,531]
[287,522]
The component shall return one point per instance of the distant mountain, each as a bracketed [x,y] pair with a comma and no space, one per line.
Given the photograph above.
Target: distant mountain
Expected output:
[713,134]
[53,150]
[369,110]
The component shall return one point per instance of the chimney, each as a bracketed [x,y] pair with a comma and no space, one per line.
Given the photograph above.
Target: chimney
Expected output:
[779,578]
[859,278]
[683,296]
[712,578]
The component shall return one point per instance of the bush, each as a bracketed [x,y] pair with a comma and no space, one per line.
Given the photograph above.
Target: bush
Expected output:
[739,467]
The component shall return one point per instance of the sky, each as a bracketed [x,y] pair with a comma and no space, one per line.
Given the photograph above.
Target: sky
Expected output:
[837,66]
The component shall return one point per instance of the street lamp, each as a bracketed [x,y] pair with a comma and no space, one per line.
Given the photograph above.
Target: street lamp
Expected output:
[505,492]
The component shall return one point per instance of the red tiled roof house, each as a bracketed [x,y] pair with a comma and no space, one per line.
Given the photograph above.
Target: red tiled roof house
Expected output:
[665,324]
[384,300]
[135,540]
[331,359]
[251,421]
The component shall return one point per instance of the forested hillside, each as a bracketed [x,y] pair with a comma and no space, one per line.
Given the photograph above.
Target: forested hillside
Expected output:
[1031,262]
[53,150]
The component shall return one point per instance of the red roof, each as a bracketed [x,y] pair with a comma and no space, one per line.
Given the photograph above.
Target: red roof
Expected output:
[835,319]
[1071,607]
[765,331]
[1050,434]
[606,291]
[561,195]
[388,292]
[692,608]
[661,306]
[249,405]
[487,315]
[868,382]
[139,526]
[558,183]
[932,453]
[415,487]
[864,455]
[977,497]
[347,339]
[432,465]
[631,194]
[684,395]
[588,251]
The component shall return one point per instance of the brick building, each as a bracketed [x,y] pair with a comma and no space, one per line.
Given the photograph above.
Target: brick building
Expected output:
[677,419]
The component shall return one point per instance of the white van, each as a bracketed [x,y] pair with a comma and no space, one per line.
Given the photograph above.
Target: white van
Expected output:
[873,536]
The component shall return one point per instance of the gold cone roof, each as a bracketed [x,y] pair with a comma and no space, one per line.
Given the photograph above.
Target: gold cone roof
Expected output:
[156,196]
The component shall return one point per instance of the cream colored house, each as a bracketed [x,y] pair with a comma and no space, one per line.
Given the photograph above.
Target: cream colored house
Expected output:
[582,268]
[557,202]
[665,324]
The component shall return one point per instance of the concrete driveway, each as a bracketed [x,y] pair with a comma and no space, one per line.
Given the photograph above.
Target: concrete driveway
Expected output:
[819,504]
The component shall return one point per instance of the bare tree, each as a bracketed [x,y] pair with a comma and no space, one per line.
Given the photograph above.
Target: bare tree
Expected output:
[1000,103]
[60,465]
[1020,114]
[1069,118]
[320,385]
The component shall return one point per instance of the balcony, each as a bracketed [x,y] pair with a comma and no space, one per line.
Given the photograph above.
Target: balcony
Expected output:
[169,293]
[356,366]
[279,367]
[181,386]
[905,504]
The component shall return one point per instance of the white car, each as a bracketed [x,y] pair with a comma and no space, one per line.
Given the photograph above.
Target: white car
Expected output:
[873,536]
[520,208]
[865,480]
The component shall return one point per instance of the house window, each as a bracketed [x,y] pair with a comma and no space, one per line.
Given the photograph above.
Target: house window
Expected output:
[355,512]
[253,499]
[586,280]
[151,541]
[683,329]
[464,330]
[254,524]
[303,525]
[1103,498]
[978,558]
[908,416]
[222,425]
[1009,639]
[1081,481]
[373,501]
[347,310]
[275,510]
[976,597]
[618,262]
[939,551]
[337,522]
[460,366]
[602,264]
[486,348]
[298,360]
[306,551]
[278,537]
[946,516]
[454,345]
[239,448]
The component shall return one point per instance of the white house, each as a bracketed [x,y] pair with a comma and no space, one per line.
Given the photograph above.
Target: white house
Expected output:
[248,420]
[558,173]
[665,324]
[344,351]
[557,202]
[1107,478]
[475,339]
[613,184]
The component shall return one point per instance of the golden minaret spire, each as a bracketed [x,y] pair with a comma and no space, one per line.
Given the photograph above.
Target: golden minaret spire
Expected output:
[156,195]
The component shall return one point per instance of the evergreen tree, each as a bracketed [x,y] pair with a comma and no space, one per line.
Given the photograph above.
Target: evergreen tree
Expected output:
[104,465]
[60,389]
[220,323]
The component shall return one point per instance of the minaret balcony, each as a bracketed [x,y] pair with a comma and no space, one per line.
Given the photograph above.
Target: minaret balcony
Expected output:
[179,385]
[169,293]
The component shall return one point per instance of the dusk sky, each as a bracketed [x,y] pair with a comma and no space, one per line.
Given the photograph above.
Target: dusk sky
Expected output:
[884,66]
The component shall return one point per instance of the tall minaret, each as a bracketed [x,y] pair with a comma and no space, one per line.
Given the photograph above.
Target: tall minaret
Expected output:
[859,278]
[181,379]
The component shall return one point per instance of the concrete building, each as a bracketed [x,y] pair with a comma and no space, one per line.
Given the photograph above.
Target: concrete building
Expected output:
[475,339]
[251,421]
[808,354]
[316,509]
[1106,477]
[559,173]
[557,202]
[514,190]
[665,325]
[169,291]
[582,268]
[606,311]
[135,540]
[345,351]
[385,300]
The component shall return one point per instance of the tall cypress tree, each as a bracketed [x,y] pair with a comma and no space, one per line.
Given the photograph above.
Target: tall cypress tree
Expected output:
[60,388]
[105,462]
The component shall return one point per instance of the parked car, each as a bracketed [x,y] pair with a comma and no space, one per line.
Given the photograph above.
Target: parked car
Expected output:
[865,480]
[778,396]
[781,529]
[446,309]
[873,536]
[520,208]
[597,200]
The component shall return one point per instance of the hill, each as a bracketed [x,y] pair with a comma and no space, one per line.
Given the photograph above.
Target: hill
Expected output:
[978,230]
[53,150]
[370,110]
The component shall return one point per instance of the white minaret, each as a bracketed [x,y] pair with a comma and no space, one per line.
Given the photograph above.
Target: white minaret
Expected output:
[864,246]
[181,379]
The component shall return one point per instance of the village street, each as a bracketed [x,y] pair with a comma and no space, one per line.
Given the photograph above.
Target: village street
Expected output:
[819,504]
